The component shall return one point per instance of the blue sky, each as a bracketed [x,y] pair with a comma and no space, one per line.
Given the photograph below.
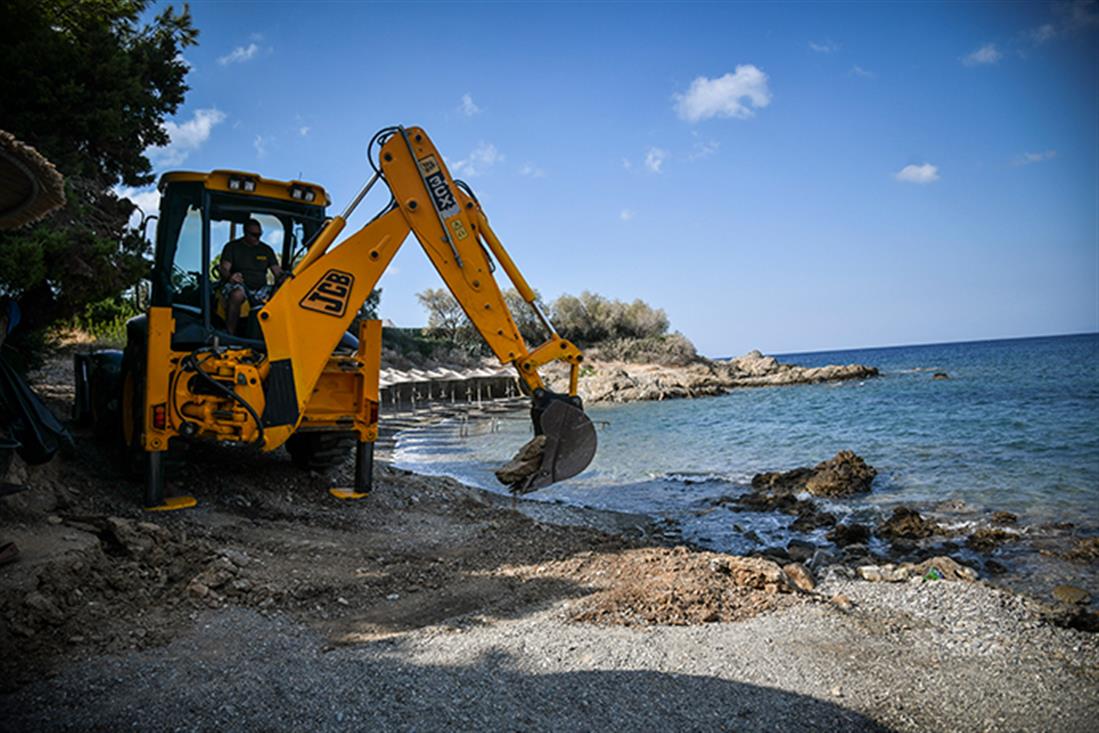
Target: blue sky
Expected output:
[788,177]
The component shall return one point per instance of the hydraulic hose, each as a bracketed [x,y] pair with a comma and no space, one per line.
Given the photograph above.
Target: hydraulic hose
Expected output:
[193,363]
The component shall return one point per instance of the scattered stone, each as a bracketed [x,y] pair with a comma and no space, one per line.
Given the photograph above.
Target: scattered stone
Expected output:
[995,568]
[393,597]
[906,523]
[937,568]
[1085,550]
[849,534]
[237,557]
[800,550]
[1004,519]
[800,576]
[783,481]
[841,602]
[44,606]
[947,567]
[197,589]
[524,465]
[810,518]
[217,573]
[940,375]
[986,539]
[1071,595]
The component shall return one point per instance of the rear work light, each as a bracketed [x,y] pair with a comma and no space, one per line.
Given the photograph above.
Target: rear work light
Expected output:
[242,184]
[300,193]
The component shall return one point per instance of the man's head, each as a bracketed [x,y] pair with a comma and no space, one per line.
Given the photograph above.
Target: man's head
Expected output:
[252,231]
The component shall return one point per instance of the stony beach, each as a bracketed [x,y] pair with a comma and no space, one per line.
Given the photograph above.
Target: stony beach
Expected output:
[432,605]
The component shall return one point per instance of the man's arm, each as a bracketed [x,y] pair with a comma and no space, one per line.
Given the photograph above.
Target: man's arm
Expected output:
[225,267]
[274,268]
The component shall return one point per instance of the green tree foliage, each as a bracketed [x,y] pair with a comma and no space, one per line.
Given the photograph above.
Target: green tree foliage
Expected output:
[89,87]
[530,328]
[445,318]
[592,319]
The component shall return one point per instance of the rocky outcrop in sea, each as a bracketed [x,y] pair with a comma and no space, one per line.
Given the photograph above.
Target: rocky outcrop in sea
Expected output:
[625,382]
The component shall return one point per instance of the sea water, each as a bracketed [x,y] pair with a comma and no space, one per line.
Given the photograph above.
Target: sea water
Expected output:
[1014,428]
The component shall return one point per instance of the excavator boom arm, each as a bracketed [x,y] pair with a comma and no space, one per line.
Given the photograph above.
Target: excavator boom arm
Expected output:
[305,319]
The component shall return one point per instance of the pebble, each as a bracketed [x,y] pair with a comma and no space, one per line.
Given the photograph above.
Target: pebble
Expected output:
[1071,594]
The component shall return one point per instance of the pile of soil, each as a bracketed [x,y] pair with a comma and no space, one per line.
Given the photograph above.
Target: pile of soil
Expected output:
[677,587]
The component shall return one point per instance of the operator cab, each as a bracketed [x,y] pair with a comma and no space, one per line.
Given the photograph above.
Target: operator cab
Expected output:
[199,214]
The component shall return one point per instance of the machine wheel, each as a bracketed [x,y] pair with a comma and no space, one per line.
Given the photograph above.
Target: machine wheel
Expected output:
[319,451]
[131,410]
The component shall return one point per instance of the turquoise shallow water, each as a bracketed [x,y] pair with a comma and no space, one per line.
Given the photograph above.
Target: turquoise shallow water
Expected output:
[1015,428]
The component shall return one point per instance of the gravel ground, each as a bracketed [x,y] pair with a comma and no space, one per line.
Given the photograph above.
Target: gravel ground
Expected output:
[426,608]
[920,656]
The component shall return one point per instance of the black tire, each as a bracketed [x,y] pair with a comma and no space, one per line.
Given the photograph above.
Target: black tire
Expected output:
[131,410]
[319,451]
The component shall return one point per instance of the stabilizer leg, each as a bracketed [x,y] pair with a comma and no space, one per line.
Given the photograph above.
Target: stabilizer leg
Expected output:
[154,487]
[364,473]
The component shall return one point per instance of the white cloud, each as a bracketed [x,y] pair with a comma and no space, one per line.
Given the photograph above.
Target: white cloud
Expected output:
[468,107]
[147,201]
[925,173]
[862,73]
[186,138]
[703,149]
[261,144]
[625,214]
[1028,158]
[721,97]
[532,171]
[654,159]
[483,157]
[239,55]
[627,164]
[983,56]
[824,46]
[303,130]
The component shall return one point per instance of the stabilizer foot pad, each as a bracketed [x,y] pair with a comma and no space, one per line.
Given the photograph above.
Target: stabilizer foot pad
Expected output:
[172,503]
[348,494]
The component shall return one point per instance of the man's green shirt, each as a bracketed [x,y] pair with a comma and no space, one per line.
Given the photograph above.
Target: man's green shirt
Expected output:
[250,260]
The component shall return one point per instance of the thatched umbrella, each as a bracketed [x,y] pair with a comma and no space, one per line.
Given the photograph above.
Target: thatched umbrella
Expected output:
[30,187]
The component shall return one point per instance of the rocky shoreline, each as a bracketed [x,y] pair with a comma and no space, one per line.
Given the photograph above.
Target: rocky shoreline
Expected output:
[610,381]
[439,598]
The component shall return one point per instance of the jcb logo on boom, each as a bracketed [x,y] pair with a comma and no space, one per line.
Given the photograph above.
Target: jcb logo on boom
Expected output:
[331,293]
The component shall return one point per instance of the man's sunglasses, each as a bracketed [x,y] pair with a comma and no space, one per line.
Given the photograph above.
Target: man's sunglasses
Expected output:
[253,233]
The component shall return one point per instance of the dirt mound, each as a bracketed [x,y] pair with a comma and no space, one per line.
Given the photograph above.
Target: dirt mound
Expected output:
[678,587]
[123,588]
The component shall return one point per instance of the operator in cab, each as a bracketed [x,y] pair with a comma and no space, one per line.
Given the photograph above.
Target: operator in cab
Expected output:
[244,265]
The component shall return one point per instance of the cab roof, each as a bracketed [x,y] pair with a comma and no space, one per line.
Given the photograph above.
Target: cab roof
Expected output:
[218,180]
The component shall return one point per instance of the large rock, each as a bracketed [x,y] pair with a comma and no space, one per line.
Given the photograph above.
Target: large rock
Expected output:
[844,474]
[525,463]
[907,524]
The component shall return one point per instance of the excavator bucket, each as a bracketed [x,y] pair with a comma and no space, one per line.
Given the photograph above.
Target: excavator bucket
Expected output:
[570,445]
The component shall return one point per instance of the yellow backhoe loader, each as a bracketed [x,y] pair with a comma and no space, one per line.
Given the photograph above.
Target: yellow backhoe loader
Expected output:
[292,374]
